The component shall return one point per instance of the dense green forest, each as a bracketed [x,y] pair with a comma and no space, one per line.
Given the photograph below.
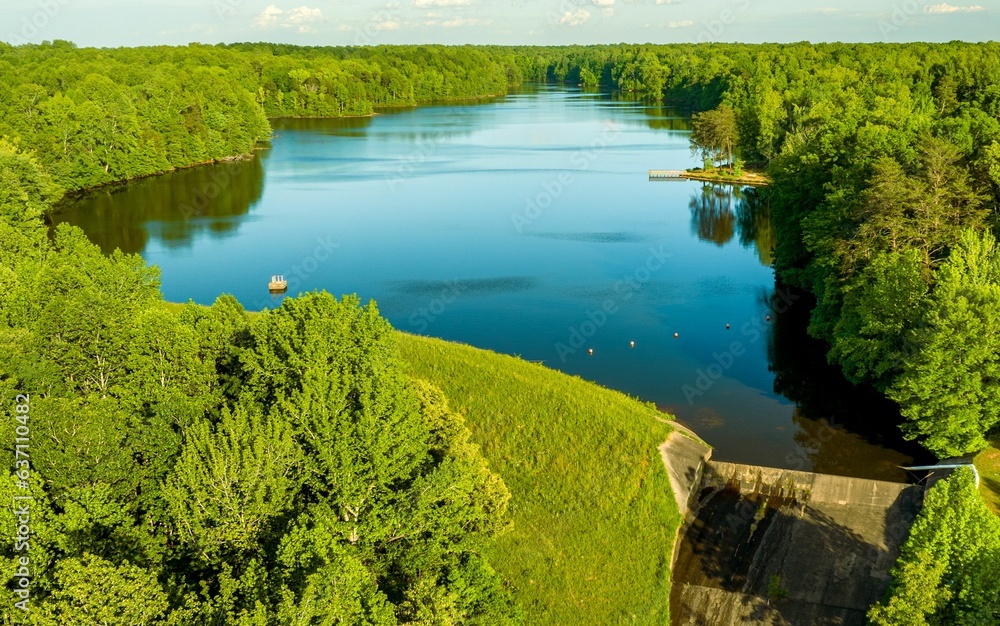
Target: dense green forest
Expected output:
[97,116]
[216,468]
[324,471]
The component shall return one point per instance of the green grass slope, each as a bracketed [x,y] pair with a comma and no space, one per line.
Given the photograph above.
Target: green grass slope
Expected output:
[988,464]
[593,514]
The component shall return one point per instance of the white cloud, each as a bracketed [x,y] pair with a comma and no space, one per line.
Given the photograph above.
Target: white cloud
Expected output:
[424,4]
[666,1]
[604,3]
[681,24]
[299,18]
[268,17]
[947,8]
[387,25]
[827,10]
[608,12]
[304,15]
[575,18]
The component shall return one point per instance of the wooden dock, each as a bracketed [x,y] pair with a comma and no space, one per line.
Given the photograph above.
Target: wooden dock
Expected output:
[666,174]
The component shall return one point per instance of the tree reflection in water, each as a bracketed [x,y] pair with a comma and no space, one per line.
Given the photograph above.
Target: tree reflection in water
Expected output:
[719,211]
[171,209]
[712,217]
[844,429]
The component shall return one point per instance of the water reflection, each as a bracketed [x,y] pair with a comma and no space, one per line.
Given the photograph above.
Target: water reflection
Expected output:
[719,211]
[753,222]
[210,200]
[712,216]
[345,126]
[842,428]
[452,123]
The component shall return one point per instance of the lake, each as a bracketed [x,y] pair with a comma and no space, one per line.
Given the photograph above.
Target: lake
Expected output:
[526,225]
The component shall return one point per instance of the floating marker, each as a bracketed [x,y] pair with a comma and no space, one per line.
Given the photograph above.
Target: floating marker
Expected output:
[727,326]
[631,344]
[676,335]
[768,318]
[590,350]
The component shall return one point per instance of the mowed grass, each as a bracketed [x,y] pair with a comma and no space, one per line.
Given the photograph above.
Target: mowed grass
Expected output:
[594,518]
[988,464]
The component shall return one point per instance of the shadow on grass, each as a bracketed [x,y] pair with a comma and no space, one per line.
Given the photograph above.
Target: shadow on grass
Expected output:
[992,485]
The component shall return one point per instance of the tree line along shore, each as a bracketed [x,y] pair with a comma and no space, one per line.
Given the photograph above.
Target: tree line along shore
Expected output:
[883,163]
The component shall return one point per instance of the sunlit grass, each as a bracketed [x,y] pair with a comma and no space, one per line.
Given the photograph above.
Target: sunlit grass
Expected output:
[988,464]
[593,514]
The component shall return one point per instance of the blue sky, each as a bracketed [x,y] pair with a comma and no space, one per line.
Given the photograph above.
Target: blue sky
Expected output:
[363,22]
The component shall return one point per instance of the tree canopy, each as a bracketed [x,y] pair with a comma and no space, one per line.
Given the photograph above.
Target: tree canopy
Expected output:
[209,466]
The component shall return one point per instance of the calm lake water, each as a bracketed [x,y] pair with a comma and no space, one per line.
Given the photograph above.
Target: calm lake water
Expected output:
[525,225]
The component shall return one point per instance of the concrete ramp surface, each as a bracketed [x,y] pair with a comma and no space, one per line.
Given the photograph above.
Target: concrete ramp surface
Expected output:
[770,546]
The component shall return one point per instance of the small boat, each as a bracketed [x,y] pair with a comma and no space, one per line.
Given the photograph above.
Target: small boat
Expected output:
[278,283]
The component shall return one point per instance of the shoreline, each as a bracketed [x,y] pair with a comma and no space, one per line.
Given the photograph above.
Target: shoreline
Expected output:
[72,194]
[751,178]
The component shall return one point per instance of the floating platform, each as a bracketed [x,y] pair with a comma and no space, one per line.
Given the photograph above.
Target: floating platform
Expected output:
[278,283]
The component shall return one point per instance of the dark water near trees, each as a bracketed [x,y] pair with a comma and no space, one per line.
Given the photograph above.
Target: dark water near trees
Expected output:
[525,225]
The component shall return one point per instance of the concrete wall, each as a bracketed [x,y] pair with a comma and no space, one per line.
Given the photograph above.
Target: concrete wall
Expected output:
[829,541]
[805,487]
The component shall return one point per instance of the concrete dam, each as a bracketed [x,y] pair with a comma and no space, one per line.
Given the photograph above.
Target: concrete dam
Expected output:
[779,547]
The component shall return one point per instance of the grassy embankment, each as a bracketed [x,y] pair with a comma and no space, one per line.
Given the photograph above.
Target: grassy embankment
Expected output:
[594,518]
[593,514]
[988,464]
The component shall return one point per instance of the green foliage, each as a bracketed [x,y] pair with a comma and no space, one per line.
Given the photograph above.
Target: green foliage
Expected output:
[90,590]
[232,481]
[883,304]
[714,133]
[774,589]
[331,371]
[947,569]
[949,389]
[26,191]
[371,502]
